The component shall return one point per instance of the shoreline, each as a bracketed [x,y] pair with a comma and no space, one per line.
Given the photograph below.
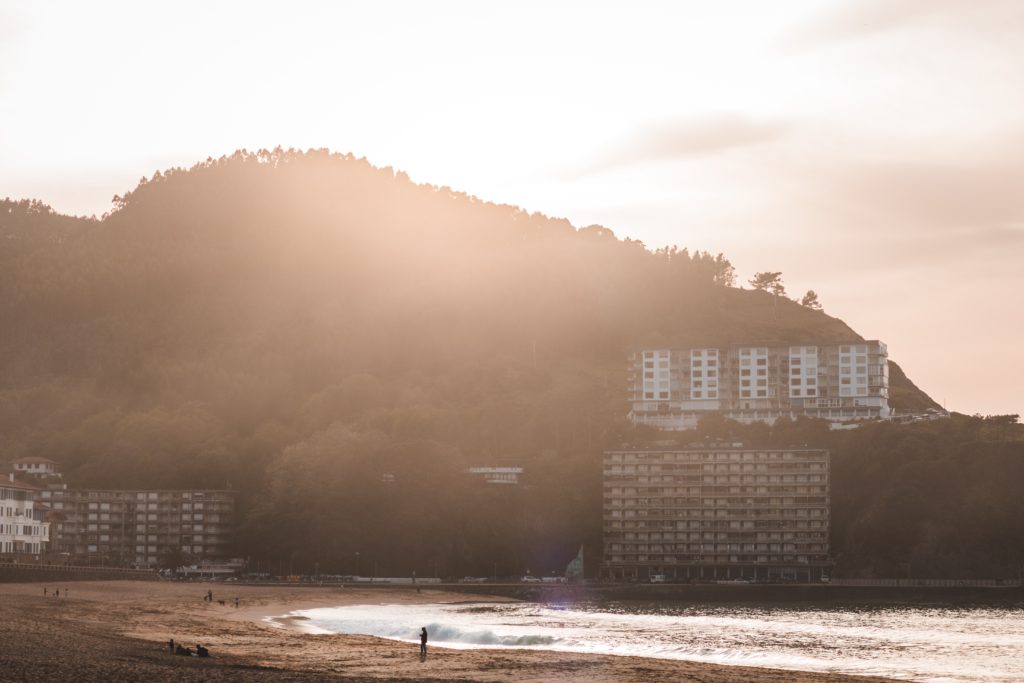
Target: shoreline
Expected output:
[113,631]
[813,594]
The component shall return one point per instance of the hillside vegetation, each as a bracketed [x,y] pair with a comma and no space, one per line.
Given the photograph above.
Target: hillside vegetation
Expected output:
[338,343]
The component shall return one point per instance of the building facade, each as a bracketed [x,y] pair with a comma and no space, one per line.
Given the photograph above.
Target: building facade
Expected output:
[24,530]
[716,513]
[673,388]
[141,528]
[37,468]
[501,476]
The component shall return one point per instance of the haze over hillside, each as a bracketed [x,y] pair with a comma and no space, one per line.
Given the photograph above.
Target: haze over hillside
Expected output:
[214,325]
[251,283]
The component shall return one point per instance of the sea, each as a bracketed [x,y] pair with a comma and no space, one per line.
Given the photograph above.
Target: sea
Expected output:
[914,643]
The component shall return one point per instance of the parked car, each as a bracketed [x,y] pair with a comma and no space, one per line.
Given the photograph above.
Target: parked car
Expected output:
[472,579]
[530,579]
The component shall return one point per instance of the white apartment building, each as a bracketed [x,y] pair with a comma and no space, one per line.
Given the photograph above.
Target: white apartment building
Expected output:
[713,513]
[23,526]
[841,382]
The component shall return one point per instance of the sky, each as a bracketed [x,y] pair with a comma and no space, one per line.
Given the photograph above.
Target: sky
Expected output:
[872,150]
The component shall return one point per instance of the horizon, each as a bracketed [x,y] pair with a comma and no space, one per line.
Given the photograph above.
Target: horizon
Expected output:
[897,125]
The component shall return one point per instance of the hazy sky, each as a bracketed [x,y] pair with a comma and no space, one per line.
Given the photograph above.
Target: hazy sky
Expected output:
[872,151]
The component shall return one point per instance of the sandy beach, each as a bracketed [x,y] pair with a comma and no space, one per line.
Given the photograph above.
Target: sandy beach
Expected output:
[118,631]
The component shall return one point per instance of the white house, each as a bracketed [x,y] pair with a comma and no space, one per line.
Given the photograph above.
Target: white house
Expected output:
[497,475]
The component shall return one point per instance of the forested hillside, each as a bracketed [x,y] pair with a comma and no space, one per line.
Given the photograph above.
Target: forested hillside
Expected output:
[338,343]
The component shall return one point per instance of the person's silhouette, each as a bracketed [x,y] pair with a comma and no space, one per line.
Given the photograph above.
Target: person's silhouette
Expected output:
[423,642]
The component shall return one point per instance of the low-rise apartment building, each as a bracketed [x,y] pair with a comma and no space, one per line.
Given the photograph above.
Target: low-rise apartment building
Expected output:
[724,512]
[141,528]
[842,382]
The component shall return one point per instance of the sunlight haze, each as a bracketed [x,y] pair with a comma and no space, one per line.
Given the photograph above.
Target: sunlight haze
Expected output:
[871,151]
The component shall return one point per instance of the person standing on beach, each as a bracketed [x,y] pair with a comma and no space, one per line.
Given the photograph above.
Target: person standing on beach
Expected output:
[423,642]
[44,591]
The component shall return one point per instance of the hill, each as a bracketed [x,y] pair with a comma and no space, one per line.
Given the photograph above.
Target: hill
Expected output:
[302,324]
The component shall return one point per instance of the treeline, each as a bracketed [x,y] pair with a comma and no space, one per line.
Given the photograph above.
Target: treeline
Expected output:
[299,325]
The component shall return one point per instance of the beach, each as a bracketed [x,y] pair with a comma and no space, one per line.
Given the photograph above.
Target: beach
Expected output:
[119,631]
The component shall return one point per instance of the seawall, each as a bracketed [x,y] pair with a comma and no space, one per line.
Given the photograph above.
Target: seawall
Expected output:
[12,572]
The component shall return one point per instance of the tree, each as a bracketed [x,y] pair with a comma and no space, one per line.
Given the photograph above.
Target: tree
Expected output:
[725,274]
[174,558]
[769,281]
[810,300]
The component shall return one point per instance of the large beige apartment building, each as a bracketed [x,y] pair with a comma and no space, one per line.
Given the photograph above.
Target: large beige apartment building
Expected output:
[673,388]
[716,513]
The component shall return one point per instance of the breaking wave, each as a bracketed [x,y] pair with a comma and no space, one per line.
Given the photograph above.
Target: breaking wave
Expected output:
[919,643]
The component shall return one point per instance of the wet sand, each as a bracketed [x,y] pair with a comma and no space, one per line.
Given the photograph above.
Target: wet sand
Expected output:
[118,631]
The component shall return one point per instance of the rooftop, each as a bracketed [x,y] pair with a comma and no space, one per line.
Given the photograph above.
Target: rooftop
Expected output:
[12,483]
[33,461]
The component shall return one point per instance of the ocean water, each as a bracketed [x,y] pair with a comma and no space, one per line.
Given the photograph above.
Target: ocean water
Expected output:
[913,643]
